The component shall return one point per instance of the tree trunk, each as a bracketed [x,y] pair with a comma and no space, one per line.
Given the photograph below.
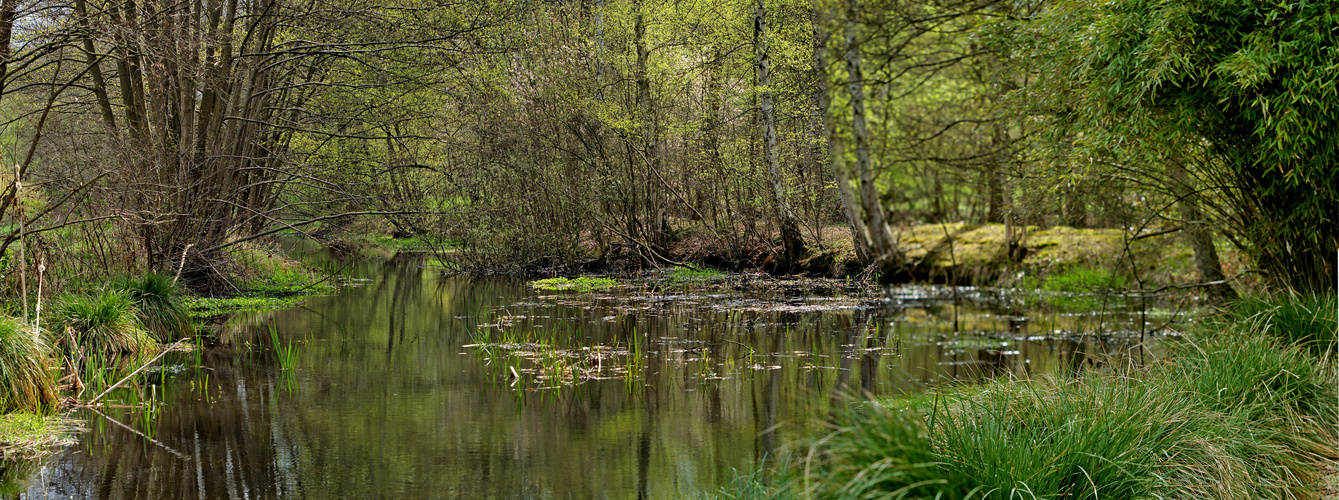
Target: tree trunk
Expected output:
[791,240]
[1200,235]
[836,151]
[886,254]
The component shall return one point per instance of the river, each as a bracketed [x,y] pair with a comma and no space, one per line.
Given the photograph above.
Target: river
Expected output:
[408,383]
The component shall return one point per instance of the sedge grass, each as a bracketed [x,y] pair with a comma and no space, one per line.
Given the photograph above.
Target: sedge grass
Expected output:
[1307,321]
[25,382]
[102,322]
[160,303]
[1235,413]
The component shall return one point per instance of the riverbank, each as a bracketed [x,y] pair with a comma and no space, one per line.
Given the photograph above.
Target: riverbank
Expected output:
[1243,408]
[119,325]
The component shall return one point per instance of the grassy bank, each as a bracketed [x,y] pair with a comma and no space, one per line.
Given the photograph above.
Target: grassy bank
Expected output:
[100,332]
[1244,408]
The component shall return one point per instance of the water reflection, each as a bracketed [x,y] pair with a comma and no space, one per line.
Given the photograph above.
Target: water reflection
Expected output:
[382,400]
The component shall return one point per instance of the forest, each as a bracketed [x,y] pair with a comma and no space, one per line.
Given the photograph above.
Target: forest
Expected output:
[1162,146]
[155,137]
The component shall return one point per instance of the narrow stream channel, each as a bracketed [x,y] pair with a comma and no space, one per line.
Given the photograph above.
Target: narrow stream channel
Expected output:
[410,384]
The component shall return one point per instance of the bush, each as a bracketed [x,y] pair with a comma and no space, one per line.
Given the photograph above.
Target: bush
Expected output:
[161,305]
[104,322]
[25,382]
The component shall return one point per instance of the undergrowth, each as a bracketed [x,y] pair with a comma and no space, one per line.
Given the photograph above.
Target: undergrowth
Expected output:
[160,303]
[104,322]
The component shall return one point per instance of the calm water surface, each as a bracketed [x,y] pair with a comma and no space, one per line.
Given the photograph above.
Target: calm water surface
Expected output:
[410,384]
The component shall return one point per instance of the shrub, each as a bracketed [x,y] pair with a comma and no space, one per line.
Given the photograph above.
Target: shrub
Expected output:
[25,382]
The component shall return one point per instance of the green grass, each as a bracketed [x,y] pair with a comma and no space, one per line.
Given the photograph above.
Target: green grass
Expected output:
[162,306]
[1304,320]
[1234,414]
[25,382]
[103,322]
[291,280]
[580,285]
[1085,280]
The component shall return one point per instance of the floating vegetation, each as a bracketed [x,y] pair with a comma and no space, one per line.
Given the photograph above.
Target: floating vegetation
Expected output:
[553,366]
[581,284]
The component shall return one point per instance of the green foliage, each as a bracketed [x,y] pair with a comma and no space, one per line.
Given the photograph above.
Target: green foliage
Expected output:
[103,322]
[581,284]
[1238,367]
[205,307]
[288,280]
[25,382]
[161,305]
[1227,87]
[1085,280]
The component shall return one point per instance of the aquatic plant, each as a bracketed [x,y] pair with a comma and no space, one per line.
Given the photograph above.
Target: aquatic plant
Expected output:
[581,284]
[285,353]
[25,382]
[161,305]
[103,322]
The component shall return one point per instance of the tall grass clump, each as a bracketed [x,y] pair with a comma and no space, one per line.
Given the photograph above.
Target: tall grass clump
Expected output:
[1307,321]
[161,305]
[1235,412]
[25,381]
[103,322]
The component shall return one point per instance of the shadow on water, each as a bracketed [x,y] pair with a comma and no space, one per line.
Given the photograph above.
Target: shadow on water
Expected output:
[409,384]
